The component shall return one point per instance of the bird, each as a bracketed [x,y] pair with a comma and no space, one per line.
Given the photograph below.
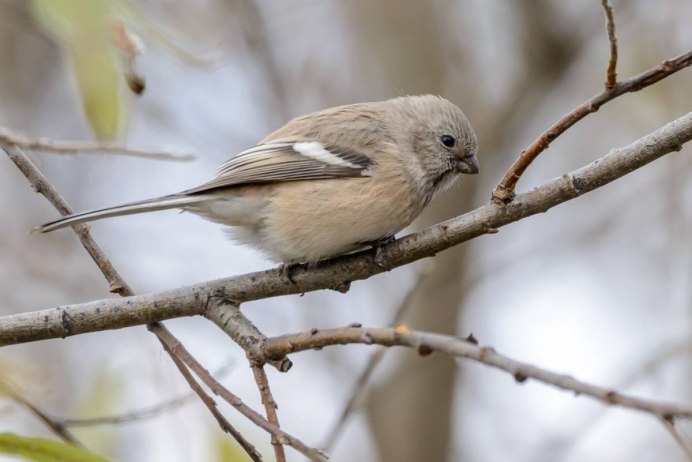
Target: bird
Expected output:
[329,182]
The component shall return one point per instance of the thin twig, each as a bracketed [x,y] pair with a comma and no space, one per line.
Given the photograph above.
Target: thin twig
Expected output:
[181,353]
[42,186]
[138,415]
[669,424]
[128,417]
[53,424]
[269,407]
[611,72]
[588,421]
[206,399]
[360,385]
[85,147]
[427,342]
[504,191]
[64,321]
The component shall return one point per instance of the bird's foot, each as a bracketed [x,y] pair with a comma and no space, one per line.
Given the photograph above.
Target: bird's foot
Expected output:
[289,268]
[381,257]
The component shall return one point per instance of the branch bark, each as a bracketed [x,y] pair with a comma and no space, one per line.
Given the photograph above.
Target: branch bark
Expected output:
[172,345]
[86,147]
[611,71]
[181,354]
[192,300]
[504,191]
[428,342]
[270,407]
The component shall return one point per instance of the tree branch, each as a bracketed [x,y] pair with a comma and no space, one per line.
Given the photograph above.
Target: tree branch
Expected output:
[183,355]
[41,185]
[269,406]
[426,342]
[85,147]
[55,425]
[504,191]
[144,413]
[100,315]
[360,385]
[669,425]
[611,71]
[176,351]
[228,317]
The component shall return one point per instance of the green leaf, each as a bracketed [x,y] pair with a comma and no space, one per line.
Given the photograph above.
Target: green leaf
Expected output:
[44,450]
[98,79]
[85,29]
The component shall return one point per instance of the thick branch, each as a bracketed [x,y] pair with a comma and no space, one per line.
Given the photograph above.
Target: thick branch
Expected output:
[228,317]
[426,342]
[192,300]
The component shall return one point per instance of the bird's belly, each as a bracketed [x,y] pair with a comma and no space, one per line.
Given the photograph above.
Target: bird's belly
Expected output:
[306,222]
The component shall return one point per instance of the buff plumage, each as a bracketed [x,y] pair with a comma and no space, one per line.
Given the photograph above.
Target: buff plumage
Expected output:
[329,182]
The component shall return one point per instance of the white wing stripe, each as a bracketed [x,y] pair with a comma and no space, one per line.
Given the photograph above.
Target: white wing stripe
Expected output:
[315,150]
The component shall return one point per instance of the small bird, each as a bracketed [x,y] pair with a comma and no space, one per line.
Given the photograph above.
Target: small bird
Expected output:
[329,182]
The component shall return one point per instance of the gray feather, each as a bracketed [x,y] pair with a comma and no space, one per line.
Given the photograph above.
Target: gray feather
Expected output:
[277,161]
[149,205]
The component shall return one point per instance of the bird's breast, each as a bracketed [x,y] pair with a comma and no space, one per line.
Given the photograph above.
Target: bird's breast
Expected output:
[311,220]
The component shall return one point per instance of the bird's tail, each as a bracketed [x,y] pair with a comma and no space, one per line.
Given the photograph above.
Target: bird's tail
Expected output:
[149,205]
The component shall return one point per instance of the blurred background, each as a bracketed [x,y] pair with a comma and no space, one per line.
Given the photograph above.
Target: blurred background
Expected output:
[598,288]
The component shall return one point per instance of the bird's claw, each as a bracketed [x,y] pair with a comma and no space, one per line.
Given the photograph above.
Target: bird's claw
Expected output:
[289,268]
[381,258]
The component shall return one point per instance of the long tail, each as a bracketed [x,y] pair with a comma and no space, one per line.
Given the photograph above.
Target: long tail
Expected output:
[149,205]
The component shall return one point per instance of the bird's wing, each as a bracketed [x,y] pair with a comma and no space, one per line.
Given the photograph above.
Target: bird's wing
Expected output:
[287,161]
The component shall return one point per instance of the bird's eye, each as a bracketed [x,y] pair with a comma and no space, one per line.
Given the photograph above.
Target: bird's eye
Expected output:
[448,141]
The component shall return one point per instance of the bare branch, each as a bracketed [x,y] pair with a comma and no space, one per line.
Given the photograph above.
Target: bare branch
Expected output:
[228,317]
[611,71]
[376,357]
[53,424]
[181,354]
[589,420]
[85,147]
[192,300]
[504,191]
[426,342]
[172,346]
[127,417]
[140,414]
[269,407]
[669,424]
[42,186]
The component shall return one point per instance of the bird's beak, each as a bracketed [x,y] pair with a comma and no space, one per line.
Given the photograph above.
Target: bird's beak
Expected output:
[468,165]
